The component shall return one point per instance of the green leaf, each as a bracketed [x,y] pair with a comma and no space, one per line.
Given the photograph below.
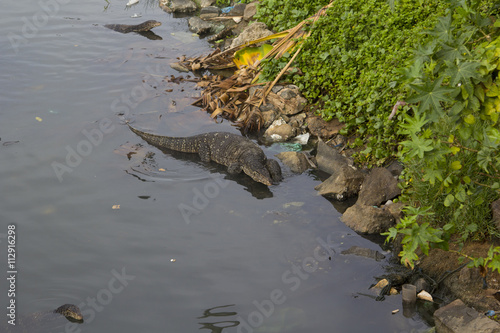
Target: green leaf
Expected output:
[463,72]
[443,29]
[431,95]
[449,200]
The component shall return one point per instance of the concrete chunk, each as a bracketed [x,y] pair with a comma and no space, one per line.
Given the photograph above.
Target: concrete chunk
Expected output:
[456,317]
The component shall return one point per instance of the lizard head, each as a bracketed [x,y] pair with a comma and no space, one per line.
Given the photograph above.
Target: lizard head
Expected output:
[257,171]
[260,170]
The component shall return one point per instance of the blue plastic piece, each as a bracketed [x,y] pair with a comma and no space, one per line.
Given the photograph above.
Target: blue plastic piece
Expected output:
[227,9]
[490,313]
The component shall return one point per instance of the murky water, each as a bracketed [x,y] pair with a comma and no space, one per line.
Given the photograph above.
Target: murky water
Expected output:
[186,247]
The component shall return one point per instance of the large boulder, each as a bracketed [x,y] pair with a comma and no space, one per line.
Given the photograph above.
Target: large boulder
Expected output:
[178,6]
[254,31]
[378,187]
[342,184]
[456,317]
[368,219]
[329,160]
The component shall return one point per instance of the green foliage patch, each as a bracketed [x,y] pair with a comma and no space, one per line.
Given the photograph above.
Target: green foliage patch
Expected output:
[349,63]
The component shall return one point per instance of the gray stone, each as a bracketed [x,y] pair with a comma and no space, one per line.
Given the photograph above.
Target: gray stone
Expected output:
[238,10]
[323,129]
[395,168]
[396,209]
[197,25]
[329,160]
[206,3]
[178,6]
[268,116]
[250,11]
[342,184]
[367,219]
[495,210]
[287,93]
[279,131]
[421,284]
[209,12]
[254,31]
[364,252]
[291,105]
[456,317]
[378,187]
[296,161]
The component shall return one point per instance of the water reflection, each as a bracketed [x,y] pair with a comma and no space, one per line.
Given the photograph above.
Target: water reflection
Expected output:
[218,326]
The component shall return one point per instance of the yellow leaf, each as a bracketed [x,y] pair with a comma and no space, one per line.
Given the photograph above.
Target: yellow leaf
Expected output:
[456,165]
[470,119]
[249,55]
[454,150]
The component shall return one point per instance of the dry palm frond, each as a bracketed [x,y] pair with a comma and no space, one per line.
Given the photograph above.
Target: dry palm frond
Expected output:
[229,97]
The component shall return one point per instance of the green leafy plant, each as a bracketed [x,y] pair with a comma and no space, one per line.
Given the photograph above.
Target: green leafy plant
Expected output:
[452,145]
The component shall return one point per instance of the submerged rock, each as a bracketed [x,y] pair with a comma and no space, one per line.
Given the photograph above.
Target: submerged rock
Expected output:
[199,26]
[364,252]
[296,161]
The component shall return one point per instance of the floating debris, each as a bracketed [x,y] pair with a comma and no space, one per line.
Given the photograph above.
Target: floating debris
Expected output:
[132,2]
[115,207]
[395,311]
[425,296]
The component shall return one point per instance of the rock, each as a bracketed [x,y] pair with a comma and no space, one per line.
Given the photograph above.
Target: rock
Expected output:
[287,93]
[279,131]
[367,219]
[178,6]
[456,317]
[288,100]
[329,160]
[250,11]
[495,210]
[378,187]
[320,128]
[396,209]
[179,67]
[297,120]
[197,25]
[296,161]
[421,284]
[206,3]
[238,10]
[364,252]
[254,31]
[268,116]
[209,12]
[395,167]
[342,184]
